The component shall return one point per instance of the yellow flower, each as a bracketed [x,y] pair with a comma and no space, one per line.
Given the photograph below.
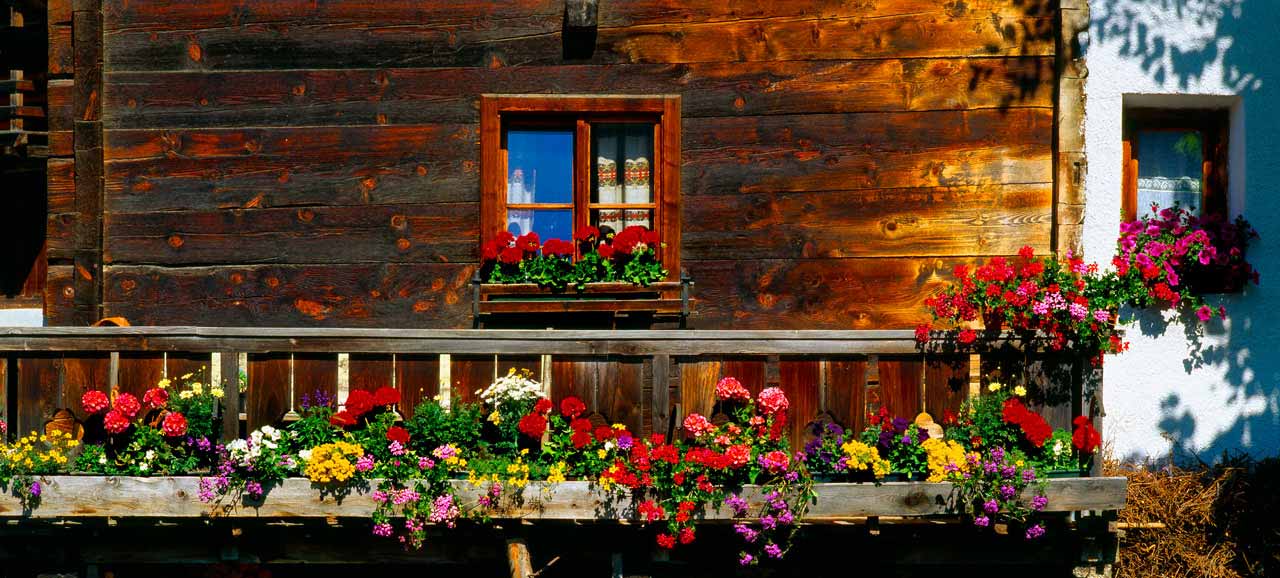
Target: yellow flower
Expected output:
[495,418]
[861,457]
[216,392]
[556,474]
[187,394]
[602,453]
[187,376]
[619,426]
[993,386]
[197,388]
[943,456]
[1019,391]
[333,462]
[163,384]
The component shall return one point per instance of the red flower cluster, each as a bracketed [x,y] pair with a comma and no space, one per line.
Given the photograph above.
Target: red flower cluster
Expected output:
[572,407]
[361,402]
[155,398]
[115,422]
[533,425]
[396,433]
[581,436]
[557,248]
[127,404]
[174,424]
[1085,438]
[1042,299]
[94,402]
[635,239]
[730,389]
[1034,427]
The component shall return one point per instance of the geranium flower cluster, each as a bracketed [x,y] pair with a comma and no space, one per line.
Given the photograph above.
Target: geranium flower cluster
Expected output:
[362,404]
[1032,424]
[160,433]
[629,256]
[249,466]
[1045,301]
[1168,258]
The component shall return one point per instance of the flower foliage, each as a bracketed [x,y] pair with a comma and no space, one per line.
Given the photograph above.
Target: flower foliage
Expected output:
[630,256]
[1046,302]
[1168,258]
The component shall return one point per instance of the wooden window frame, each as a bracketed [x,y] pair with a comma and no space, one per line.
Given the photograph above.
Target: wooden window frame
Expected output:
[663,110]
[1213,126]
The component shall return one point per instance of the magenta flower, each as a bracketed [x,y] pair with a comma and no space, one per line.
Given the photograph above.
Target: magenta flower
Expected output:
[1204,313]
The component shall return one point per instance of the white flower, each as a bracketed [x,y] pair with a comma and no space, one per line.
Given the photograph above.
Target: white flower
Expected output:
[151,455]
[143,467]
[102,459]
[304,455]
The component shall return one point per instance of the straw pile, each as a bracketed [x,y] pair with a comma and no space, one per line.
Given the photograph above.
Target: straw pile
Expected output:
[1218,521]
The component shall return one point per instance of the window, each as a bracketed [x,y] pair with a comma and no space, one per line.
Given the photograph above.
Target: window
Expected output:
[1175,156]
[553,165]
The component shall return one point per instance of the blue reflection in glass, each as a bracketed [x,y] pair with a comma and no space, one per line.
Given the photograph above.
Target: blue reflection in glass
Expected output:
[539,166]
[548,224]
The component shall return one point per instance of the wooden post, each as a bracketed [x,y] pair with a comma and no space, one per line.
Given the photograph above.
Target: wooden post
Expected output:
[229,366]
[518,561]
[661,394]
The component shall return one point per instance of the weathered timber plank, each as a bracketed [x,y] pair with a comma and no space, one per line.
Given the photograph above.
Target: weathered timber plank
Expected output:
[522,15]
[946,385]
[61,94]
[311,373]
[513,345]
[139,372]
[59,293]
[368,372]
[377,234]
[256,168]
[872,150]
[61,52]
[403,45]
[612,388]
[370,295]
[948,221]
[846,388]
[800,380]
[61,185]
[268,396]
[900,382]
[418,379]
[126,497]
[697,388]
[80,374]
[58,11]
[436,95]
[37,392]
[796,294]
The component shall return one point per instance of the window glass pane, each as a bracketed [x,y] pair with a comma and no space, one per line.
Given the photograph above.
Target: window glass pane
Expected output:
[548,224]
[540,166]
[622,172]
[1170,170]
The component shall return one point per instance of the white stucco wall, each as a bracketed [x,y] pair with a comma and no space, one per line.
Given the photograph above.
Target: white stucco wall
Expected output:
[1166,393]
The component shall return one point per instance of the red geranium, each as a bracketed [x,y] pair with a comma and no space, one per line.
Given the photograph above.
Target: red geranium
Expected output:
[557,248]
[605,250]
[532,425]
[396,433]
[127,404]
[386,395]
[580,439]
[510,255]
[174,424]
[666,541]
[115,422]
[572,407]
[155,398]
[359,402]
[922,333]
[489,251]
[1085,438]
[529,242]
[342,419]
[580,425]
[587,233]
[94,402]
[543,405]
[730,389]
[604,433]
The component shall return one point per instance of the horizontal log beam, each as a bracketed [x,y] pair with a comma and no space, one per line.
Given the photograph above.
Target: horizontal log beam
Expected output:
[130,497]
[458,341]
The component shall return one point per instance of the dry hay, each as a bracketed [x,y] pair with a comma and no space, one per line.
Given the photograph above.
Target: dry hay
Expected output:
[1212,521]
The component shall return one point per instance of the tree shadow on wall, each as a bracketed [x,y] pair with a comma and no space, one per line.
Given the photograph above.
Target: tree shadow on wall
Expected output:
[1185,44]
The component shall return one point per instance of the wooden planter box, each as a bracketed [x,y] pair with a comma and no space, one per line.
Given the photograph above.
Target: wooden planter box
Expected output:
[665,299]
[176,497]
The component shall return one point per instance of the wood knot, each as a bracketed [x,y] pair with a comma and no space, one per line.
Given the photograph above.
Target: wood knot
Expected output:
[299,90]
[403,244]
[68,292]
[175,241]
[421,170]
[237,278]
[306,215]
[398,221]
[273,282]
[739,103]
[194,52]
[128,285]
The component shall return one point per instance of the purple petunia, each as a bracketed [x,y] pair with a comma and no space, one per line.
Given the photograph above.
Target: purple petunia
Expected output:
[1035,531]
[773,550]
[982,521]
[1038,503]
[991,507]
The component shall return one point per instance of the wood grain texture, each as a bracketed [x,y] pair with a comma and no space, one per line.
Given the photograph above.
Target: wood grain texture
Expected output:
[947,221]
[370,295]
[611,388]
[420,96]
[801,381]
[418,379]
[900,384]
[153,170]
[125,497]
[304,43]
[268,394]
[846,392]
[946,386]
[866,151]
[376,234]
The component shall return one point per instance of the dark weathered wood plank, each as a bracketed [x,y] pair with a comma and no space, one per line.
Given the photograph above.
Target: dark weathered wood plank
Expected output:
[368,295]
[846,388]
[268,395]
[866,151]
[900,384]
[418,378]
[801,381]
[305,44]
[946,385]
[448,95]
[37,393]
[950,221]
[262,168]
[82,373]
[93,496]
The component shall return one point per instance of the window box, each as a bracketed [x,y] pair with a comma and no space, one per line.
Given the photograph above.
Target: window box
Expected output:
[664,299]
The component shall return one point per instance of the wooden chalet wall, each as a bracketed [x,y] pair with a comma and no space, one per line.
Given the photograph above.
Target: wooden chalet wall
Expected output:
[293,162]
